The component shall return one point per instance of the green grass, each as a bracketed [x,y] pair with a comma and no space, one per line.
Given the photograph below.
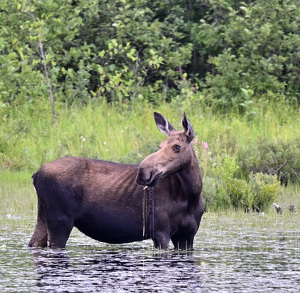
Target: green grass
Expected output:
[18,199]
[100,131]
[127,132]
[17,195]
[19,206]
[290,195]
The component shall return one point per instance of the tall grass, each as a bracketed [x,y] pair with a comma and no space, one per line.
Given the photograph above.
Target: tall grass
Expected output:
[19,206]
[124,133]
[127,132]
[100,131]
[290,195]
[18,200]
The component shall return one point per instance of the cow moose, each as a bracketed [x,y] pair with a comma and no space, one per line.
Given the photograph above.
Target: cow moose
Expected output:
[118,203]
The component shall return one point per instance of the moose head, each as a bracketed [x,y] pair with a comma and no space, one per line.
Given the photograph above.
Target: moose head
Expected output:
[174,154]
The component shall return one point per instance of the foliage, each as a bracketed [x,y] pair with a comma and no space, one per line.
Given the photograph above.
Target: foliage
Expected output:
[251,50]
[222,189]
[239,191]
[280,158]
[224,53]
[257,194]
[264,189]
[67,59]
[91,49]
[126,133]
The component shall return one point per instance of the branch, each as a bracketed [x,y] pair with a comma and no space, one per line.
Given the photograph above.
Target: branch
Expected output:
[47,77]
[43,57]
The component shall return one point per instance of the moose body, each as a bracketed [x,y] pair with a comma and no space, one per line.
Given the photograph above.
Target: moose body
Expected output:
[105,200]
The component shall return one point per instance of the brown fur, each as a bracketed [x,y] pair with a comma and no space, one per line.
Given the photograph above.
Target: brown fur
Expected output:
[105,200]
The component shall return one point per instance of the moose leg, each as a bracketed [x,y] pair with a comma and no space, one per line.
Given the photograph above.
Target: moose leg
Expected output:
[161,240]
[39,237]
[183,243]
[59,229]
[183,239]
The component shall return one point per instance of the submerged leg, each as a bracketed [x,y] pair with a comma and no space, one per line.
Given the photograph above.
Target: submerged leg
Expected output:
[59,229]
[39,237]
[183,244]
[161,240]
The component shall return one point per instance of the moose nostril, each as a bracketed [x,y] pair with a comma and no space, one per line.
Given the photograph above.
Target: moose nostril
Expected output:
[144,176]
[141,174]
[150,176]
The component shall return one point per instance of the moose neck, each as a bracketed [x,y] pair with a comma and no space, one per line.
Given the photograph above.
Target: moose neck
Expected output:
[190,179]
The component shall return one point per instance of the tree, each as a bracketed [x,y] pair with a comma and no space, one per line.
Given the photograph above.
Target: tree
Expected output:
[72,51]
[252,50]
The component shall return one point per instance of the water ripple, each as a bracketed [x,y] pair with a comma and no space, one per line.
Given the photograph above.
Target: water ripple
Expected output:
[225,260]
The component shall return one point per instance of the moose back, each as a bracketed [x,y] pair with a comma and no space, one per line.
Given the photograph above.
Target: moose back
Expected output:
[106,200]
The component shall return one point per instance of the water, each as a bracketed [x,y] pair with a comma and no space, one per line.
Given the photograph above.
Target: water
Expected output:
[232,254]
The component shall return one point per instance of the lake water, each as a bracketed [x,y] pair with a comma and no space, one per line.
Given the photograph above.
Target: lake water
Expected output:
[254,253]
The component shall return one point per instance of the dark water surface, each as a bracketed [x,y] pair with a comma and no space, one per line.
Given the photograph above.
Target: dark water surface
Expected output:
[232,254]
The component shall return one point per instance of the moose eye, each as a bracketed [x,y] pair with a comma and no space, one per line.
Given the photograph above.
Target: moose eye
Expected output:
[176,148]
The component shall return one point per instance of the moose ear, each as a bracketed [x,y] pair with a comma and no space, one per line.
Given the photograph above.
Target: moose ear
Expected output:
[163,124]
[187,127]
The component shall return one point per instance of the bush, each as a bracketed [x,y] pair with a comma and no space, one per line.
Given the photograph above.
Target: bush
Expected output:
[280,158]
[81,50]
[257,194]
[238,191]
[220,175]
[214,195]
[74,51]
[264,189]
[221,188]
[251,50]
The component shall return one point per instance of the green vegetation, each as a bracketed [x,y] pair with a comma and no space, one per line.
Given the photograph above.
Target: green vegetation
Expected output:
[127,133]
[227,53]
[82,78]
[19,206]
[18,202]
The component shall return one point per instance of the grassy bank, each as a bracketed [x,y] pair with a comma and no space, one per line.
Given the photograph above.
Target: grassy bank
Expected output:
[19,206]
[17,196]
[265,139]
[127,133]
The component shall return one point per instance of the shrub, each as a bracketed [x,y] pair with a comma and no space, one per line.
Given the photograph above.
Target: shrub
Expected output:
[257,194]
[250,50]
[209,191]
[238,191]
[281,158]
[220,176]
[264,189]
[214,194]
[221,188]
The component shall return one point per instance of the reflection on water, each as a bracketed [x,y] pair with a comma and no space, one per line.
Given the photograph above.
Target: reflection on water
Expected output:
[228,257]
[111,271]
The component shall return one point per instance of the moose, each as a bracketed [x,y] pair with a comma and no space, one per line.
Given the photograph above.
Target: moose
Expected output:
[160,199]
